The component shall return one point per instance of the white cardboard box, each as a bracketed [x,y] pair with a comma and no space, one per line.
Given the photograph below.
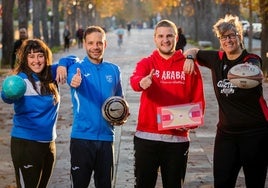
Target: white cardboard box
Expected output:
[180,116]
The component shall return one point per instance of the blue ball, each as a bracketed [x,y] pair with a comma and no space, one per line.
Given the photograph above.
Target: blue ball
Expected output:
[14,87]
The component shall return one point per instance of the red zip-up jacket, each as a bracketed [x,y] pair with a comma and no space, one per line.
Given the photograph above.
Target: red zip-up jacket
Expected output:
[170,86]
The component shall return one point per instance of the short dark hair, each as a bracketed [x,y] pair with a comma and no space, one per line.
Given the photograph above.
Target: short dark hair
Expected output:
[92,29]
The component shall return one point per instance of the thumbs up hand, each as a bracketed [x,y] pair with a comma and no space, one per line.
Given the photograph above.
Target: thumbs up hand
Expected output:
[147,80]
[77,79]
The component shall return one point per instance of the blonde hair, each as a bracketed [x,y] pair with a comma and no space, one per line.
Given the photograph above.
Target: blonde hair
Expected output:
[166,23]
[229,22]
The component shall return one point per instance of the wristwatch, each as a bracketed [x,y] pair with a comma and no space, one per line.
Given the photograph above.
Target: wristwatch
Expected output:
[190,57]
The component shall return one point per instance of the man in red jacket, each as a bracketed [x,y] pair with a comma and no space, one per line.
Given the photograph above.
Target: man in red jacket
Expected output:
[163,83]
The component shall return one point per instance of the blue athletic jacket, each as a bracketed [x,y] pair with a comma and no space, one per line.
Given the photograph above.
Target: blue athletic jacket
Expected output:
[35,116]
[99,82]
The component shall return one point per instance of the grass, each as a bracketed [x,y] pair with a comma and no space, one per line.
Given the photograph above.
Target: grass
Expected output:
[56,49]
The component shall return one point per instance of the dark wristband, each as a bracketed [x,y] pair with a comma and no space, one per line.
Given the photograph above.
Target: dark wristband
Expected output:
[190,57]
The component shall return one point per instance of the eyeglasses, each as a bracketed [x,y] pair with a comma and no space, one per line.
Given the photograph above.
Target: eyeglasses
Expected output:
[230,36]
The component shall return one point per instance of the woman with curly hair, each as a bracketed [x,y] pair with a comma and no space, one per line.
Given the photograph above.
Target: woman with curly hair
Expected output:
[242,131]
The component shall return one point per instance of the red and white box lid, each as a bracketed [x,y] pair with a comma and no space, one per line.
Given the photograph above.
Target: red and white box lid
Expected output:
[180,116]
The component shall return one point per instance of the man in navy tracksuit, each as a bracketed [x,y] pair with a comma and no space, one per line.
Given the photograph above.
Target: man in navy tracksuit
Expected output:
[92,81]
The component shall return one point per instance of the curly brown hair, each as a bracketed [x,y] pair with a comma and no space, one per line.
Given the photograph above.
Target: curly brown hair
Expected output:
[48,84]
[229,22]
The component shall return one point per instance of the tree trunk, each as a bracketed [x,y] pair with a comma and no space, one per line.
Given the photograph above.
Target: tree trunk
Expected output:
[36,19]
[44,14]
[7,31]
[229,7]
[264,36]
[55,37]
[203,27]
[250,27]
[23,13]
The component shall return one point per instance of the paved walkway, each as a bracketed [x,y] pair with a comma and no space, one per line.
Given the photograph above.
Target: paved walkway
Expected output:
[137,45]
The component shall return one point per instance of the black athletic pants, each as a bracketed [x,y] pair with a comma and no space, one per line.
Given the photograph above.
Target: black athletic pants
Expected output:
[33,162]
[233,152]
[170,158]
[91,156]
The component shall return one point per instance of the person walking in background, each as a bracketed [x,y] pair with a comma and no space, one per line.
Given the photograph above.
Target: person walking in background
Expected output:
[181,41]
[242,130]
[128,28]
[161,80]
[33,134]
[92,81]
[79,36]
[23,35]
[120,34]
[66,38]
